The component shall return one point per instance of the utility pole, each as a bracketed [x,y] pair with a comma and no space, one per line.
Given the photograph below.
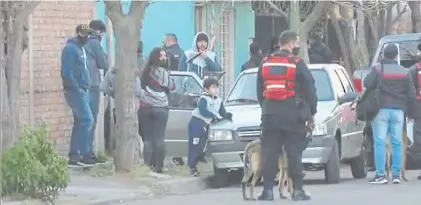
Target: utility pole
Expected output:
[294,16]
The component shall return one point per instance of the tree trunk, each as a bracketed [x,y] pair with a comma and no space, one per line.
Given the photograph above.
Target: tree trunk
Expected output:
[341,39]
[127,33]
[415,16]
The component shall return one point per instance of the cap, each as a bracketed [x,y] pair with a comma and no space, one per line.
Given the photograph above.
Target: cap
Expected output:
[83,29]
[390,51]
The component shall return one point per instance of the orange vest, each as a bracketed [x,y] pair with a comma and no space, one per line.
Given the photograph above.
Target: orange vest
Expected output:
[419,80]
[278,74]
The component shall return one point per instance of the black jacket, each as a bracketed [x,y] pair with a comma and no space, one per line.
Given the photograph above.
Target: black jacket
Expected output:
[396,86]
[253,62]
[415,107]
[319,53]
[288,110]
[174,55]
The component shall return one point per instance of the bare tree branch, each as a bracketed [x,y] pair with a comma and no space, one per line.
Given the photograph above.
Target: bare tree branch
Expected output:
[311,20]
[138,8]
[25,9]
[114,11]
[400,11]
[278,10]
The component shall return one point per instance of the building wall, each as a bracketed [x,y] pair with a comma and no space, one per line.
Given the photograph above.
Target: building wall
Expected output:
[53,22]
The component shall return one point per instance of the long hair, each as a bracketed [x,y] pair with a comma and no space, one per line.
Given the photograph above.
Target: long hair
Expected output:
[152,62]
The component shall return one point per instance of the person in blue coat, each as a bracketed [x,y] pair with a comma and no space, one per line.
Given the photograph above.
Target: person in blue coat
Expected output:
[199,59]
[76,84]
[210,108]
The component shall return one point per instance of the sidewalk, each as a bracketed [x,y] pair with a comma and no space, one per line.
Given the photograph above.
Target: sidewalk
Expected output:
[87,190]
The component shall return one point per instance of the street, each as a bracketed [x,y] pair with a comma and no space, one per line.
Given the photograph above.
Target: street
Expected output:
[348,192]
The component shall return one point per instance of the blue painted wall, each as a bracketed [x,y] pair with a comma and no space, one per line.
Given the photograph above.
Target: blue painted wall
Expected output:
[244,29]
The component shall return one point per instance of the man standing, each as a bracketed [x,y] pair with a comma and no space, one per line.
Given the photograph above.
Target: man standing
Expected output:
[415,113]
[255,57]
[173,49]
[396,90]
[199,59]
[76,82]
[319,52]
[285,87]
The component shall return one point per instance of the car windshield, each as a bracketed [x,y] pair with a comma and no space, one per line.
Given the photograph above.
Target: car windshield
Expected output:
[244,91]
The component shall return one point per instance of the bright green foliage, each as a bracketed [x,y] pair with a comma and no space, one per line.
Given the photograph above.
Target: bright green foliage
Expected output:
[32,168]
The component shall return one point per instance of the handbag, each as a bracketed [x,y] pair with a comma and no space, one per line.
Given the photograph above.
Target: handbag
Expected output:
[369,104]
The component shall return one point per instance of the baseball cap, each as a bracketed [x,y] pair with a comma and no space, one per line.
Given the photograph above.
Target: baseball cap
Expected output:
[83,29]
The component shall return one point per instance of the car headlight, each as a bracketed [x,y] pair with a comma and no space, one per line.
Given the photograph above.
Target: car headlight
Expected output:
[320,129]
[220,135]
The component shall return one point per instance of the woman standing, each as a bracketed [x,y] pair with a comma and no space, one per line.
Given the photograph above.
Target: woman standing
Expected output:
[153,110]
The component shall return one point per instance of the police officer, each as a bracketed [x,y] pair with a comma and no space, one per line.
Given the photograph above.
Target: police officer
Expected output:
[173,49]
[287,95]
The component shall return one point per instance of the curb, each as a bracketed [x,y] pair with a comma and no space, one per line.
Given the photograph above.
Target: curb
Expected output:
[185,185]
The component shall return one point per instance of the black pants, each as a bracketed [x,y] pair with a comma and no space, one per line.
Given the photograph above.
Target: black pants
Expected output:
[153,122]
[416,144]
[273,139]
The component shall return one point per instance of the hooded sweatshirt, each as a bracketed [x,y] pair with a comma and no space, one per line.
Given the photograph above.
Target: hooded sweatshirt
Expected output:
[97,59]
[74,66]
[108,84]
[155,92]
[200,64]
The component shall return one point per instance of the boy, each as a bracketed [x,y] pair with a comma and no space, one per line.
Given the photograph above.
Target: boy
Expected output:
[210,108]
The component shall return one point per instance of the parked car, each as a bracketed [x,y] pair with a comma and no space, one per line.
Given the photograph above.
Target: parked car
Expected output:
[407,49]
[337,137]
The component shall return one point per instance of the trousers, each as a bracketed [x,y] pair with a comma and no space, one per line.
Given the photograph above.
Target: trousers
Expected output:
[78,101]
[198,137]
[273,139]
[94,96]
[388,122]
[153,123]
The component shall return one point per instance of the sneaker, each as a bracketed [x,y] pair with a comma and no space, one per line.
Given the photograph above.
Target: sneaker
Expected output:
[87,162]
[378,180]
[194,172]
[97,160]
[300,195]
[396,180]
[73,164]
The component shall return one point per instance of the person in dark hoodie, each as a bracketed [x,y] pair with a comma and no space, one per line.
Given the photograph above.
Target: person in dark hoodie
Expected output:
[414,111]
[76,82]
[255,57]
[97,61]
[319,53]
[210,108]
[396,89]
[173,49]
[199,59]
[156,84]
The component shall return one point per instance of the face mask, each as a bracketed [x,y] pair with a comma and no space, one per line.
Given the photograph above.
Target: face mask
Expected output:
[163,63]
[296,51]
[83,39]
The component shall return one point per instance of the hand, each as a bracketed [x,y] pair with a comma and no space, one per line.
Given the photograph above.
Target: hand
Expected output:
[229,116]
[310,124]
[217,118]
[203,53]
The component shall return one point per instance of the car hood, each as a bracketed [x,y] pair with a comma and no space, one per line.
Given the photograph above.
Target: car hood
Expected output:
[250,115]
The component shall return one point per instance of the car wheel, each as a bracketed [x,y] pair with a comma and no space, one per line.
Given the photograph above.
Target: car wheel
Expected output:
[220,178]
[358,165]
[333,166]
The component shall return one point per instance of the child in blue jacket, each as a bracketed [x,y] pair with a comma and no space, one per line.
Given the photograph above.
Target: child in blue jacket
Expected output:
[210,108]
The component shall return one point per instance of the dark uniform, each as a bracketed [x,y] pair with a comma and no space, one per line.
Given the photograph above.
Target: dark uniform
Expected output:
[287,95]
[414,112]
[174,55]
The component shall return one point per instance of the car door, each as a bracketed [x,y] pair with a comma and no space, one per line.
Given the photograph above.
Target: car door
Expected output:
[182,101]
[352,137]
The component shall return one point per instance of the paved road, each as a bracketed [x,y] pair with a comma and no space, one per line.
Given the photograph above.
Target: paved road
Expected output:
[348,192]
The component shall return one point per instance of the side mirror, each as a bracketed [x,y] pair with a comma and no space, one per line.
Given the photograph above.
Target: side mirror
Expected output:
[348,97]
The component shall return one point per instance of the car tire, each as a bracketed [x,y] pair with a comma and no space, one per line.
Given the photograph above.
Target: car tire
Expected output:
[333,166]
[359,168]
[220,178]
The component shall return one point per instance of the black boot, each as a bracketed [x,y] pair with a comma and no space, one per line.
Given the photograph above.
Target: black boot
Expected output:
[419,177]
[300,195]
[266,195]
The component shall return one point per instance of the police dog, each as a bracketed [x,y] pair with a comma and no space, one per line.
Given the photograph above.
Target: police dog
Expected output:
[389,156]
[253,170]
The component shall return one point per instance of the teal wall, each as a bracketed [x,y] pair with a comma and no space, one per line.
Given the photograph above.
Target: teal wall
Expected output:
[179,17]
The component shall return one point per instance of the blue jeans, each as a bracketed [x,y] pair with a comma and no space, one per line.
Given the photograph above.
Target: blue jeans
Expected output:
[94,95]
[388,122]
[78,101]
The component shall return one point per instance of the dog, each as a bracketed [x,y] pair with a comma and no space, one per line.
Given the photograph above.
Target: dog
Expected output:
[253,170]
[389,156]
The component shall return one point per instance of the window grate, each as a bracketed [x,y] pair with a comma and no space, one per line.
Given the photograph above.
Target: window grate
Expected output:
[227,57]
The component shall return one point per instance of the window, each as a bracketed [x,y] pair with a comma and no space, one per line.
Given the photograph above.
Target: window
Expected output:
[337,85]
[323,86]
[199,13]
[186,92]
[227,46]
[345,82]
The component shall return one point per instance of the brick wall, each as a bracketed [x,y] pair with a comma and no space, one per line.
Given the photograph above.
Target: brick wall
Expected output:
[53,22]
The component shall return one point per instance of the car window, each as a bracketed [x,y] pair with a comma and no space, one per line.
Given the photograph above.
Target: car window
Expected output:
[186,92]
[244,90]
[337,85]
[345,82]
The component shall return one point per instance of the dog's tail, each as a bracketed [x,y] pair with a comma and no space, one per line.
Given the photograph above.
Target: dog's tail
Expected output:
[248,172]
